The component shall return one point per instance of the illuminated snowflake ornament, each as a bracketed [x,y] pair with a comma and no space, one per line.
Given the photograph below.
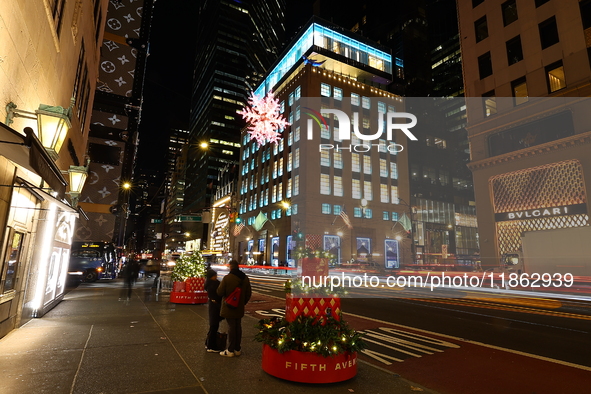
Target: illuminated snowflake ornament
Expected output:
[264,118]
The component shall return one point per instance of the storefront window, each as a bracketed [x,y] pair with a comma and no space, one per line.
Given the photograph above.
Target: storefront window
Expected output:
[11,262]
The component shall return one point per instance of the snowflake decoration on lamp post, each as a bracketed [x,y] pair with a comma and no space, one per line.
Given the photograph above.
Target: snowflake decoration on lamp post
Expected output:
[264,118]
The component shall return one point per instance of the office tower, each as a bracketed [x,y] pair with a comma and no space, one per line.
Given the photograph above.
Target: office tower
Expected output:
[346,202]
[526,72]
[236,42]
[423,37]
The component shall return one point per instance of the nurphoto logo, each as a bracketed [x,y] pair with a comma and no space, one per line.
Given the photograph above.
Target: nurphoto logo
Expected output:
[386,124]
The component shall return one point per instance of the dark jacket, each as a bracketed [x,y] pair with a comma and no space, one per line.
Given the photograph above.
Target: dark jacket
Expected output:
[234,279]
[215,301]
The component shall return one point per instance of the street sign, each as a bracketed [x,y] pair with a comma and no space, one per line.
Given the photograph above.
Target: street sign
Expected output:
[156,221]
[188,218]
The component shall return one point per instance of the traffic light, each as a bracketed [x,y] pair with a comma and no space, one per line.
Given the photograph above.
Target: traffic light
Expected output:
[238,220]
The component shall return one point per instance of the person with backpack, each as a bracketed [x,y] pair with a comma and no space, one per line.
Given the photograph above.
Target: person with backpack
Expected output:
[236,292]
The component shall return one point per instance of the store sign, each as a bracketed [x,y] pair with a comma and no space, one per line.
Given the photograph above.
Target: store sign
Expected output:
[542,212]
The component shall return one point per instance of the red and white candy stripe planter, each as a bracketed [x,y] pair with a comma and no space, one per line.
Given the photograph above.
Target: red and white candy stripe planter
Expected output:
[307,367]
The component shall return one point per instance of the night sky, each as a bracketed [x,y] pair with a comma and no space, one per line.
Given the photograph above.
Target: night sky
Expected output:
[168,79]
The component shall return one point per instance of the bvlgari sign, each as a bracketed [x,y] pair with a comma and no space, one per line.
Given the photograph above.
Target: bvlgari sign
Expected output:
[542,212]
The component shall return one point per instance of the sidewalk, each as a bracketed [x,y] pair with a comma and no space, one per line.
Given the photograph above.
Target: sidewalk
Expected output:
[93,343]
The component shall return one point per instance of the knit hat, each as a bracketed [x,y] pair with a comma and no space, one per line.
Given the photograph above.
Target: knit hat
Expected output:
[211,273]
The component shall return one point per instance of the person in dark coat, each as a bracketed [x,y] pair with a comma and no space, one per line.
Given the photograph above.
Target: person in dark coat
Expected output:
[233,316]
[215,304]
[131,273]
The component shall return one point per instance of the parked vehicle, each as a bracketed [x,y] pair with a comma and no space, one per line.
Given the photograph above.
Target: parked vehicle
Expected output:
[90,261]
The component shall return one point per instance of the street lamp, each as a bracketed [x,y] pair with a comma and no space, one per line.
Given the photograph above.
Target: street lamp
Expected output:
[53,124]
[77,175]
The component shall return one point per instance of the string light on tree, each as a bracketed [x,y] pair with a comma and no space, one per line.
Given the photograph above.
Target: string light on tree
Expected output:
[264,118]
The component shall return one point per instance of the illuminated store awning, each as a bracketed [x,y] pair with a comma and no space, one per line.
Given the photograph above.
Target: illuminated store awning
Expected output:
[28,152]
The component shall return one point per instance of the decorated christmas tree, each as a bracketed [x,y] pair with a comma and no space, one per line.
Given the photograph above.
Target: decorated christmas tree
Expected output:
[189,266]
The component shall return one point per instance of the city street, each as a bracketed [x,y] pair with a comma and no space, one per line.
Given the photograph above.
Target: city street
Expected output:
[490,345]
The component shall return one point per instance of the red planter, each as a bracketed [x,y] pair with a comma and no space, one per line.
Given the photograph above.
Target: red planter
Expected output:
[189,292]
[311,306]
[307,367]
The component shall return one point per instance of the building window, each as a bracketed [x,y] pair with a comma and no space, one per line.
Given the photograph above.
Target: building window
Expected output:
[367,192]
[288,191]
[555,77]
[509,9]
[356,188]
[296,160]
[338,93]
[481,29]
[357,212]
[394,216]
[393,170]
[338,186]
[383,168]
[290,99]
[368,213]
[324,90]
[57,11]
[336,209]
[338,160]
[365,122]
[519,88]
[384,193]
[326,209]
[366,164]
[585,7]
[365,102]
[394,190]
[514,51]
[484,65]
[297,113]
[354,99]
[324,132]
[296,135]
[296,185]
[324,184]
[325,158]
[385,215]
[298,92]
[355,162]
[489,103]
[548,32]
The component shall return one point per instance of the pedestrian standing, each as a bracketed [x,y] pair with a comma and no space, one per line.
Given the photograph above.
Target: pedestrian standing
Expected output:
[234,315]
[215,305]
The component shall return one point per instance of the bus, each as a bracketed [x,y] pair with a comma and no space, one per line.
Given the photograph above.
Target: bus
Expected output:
[90,261]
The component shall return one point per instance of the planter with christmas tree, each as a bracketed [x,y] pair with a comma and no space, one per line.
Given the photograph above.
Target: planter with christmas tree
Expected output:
[312,344]
[188,278]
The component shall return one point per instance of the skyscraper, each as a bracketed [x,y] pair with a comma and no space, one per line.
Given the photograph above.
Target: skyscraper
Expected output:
[236,42]
[526,68]
[423,37]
